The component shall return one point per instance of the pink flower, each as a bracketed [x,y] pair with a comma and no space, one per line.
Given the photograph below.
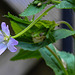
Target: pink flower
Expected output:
[5,40]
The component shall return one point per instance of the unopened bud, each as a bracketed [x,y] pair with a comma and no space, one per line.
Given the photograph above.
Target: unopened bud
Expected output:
[39,4]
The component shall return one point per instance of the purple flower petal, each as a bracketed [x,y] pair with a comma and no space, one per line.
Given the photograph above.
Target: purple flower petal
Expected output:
[12,41]
[3,47]
[1,37]
[0,32]
[12,48]
[5,28]
[11,44]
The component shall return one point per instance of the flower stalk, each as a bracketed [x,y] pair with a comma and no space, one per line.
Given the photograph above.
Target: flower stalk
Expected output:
[32,24]
[66,23]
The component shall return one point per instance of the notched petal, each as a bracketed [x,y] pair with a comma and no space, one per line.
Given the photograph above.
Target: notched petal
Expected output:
[5,28]
[13,41]
[11,44]
[1,38]
[12,48]
[3,47]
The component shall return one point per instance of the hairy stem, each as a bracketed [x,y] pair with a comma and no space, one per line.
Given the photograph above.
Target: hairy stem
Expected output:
[26,29]
[59,61]
[66,23]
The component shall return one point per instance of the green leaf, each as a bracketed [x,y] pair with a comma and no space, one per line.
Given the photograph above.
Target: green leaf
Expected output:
[33,46]
[17,19]
[71,1]
[17,23]
[26,55]
[44,27]
[69,59]
[52,62]
[32,9]
[62,33]
[51,38]
[16,27]
[58,34]
[65,5]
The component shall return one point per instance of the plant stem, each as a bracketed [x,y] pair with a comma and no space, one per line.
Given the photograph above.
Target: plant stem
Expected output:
[59,61]
[57,2]
[26,29]
[66,23]
[53,2]
[70,27]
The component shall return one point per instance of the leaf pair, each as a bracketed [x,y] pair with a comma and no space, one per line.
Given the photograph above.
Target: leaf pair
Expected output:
[22,55]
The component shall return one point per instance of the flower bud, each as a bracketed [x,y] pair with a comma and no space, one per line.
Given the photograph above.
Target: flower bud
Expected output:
[39,4]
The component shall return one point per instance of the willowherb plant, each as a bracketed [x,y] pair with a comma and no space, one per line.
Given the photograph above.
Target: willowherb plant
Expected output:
[36,37]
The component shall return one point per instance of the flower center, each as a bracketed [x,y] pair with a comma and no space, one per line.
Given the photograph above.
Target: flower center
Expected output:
[4,42]
[6,38]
